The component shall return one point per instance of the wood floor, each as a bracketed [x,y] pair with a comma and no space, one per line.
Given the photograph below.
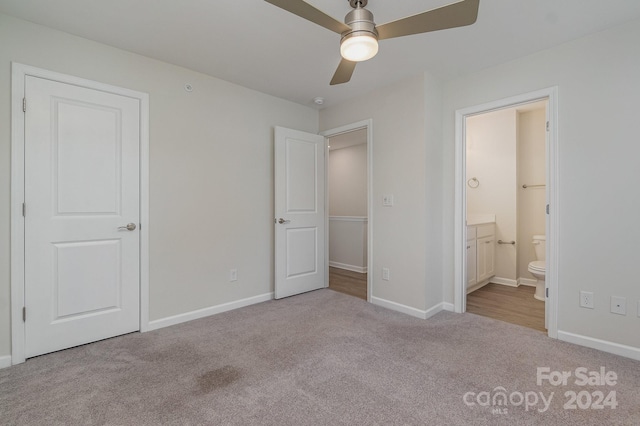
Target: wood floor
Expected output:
[515,305]
[348,282]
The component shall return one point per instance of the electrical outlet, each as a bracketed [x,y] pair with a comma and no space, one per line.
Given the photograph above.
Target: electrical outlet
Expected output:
[618,305]
[586,299]
[387,200]
[386,274]
[233,275]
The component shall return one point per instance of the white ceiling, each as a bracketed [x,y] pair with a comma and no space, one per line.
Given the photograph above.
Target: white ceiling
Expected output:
[257,45]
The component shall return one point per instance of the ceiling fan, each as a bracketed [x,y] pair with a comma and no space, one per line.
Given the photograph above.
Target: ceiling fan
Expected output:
[360,34]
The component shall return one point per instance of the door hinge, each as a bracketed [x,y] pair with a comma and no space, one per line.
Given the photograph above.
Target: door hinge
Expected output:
[24,209]
[24,314]
[547,126]
[547,292]
[24,104]
[547,208]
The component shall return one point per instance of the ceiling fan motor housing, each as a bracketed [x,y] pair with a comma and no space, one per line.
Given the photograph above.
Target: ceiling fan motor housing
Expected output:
[356,3]
[361,22]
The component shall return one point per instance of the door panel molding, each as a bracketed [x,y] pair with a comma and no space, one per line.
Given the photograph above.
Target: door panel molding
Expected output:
[19,73]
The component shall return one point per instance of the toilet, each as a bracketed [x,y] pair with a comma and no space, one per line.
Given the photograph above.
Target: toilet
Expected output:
[538,267]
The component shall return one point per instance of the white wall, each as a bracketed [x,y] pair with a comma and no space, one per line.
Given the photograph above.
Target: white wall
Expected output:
[348,181]
[491,158]
[598,176]
[348,243]
[406,138]
[531,171]
[211,173]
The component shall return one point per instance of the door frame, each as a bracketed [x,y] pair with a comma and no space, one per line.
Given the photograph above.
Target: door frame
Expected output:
[460,255]
[19,72]
[364,124]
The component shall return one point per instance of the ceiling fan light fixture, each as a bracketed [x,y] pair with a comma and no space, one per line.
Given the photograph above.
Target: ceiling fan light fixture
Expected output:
[358,47]
[361,41]
[360,34]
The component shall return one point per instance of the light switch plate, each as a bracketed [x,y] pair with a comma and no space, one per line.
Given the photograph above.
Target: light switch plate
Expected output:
[386,274]
[387,200]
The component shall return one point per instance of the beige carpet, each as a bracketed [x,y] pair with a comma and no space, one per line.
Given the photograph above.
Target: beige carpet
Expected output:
[322,358]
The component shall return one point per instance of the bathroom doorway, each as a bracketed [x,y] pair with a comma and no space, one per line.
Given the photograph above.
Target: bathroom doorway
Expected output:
[348,206]
[505,159]
[505,169]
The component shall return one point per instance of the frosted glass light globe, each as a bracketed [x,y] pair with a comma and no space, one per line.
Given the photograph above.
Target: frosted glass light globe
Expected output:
[359,48]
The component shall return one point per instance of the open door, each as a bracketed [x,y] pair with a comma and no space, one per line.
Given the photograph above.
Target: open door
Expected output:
[549,158]
[299,212]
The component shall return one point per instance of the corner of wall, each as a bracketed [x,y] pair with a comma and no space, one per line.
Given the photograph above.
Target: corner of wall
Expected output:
[433,125]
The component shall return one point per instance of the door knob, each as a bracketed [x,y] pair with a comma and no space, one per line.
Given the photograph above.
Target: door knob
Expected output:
[281,221]
[128,227]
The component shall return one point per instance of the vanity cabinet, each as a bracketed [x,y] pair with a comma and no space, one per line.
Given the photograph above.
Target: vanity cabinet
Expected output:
[471,257]
[481,252]
[486,250]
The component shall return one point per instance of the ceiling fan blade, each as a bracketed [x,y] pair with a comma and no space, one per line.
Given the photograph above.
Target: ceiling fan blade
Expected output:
[344,72]
[454,15]
[310,13]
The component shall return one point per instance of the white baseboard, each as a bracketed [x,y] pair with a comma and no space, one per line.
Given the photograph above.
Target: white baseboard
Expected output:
[434,310]
[449,307]
[353,268]
[601,345]
[212,310]
[5,361]
[408,310]
[514,283]
[477,286]
[504,281]
[527,281]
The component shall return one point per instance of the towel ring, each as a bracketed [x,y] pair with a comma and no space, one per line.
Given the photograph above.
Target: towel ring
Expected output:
[473,183]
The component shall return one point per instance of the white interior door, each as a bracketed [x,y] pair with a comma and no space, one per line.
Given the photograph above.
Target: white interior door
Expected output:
[299,212]
[547,218]
[81,186]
